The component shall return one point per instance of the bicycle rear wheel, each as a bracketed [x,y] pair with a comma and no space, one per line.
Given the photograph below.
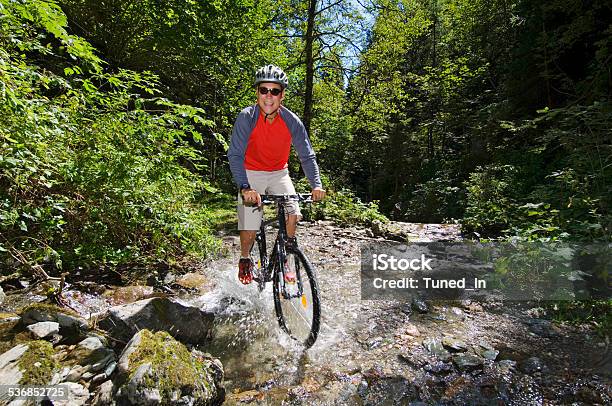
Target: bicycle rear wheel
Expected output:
[298,315]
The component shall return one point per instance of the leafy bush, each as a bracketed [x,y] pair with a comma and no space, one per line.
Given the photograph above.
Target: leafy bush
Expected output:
[436,200]
[91,173]
[491,198]
[343,207]
[558,188]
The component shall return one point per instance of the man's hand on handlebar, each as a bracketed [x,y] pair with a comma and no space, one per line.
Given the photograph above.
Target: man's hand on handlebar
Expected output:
[251,197]
[318,193]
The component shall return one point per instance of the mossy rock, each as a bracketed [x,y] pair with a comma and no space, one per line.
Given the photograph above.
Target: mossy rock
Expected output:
[29,363]
[156,369]
[38,363]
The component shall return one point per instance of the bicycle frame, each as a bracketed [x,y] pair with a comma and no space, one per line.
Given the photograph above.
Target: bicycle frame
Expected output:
[277,258]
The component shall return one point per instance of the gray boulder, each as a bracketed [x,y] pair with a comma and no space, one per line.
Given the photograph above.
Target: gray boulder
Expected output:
[10,374]
[76,395]
[467,361]
[104,395]
[44,328]
[38,312]
[435,347]
[185,323]
[88,359]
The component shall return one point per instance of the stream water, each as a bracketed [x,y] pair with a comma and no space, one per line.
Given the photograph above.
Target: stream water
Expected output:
[375,352]
[368,352]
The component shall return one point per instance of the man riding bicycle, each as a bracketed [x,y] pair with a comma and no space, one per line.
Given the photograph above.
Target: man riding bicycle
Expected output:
[258,155]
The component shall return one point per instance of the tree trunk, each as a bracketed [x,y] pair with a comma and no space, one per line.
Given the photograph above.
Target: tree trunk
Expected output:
[307,117]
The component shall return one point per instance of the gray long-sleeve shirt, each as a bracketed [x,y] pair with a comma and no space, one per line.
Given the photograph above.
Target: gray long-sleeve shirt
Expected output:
[243,127]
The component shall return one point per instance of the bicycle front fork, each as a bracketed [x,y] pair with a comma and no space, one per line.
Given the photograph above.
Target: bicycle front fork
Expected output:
[282,268]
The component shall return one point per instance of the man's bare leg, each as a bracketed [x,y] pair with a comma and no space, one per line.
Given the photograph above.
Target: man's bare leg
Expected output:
[246,241]
[292,220]
[248,236]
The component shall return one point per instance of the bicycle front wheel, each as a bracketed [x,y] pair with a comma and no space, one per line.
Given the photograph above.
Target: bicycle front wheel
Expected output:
[298,312]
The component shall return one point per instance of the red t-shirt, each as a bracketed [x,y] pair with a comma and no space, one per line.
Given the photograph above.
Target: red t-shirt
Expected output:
[269,145]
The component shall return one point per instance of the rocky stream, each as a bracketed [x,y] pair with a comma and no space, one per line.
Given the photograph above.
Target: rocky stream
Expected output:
[224,345]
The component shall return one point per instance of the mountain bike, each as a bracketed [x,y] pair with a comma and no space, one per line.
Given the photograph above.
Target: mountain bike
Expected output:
[297,305]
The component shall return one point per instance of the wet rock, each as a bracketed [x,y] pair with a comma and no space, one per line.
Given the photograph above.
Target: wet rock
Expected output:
[191,281]
[525,391]
[77,395]
[453,314]
[419,305]
[438,367]
[130,294]
[156,369]
[169,279]
[2,295]
[435,347]
[375,342]
[506,364]
[589,393]
[103,395]
[490,355]
[44,329]
[411,330]
[543,328]
[394,390]
[486,351]
[186,323]
[467,361]
[454,344]
[533,365]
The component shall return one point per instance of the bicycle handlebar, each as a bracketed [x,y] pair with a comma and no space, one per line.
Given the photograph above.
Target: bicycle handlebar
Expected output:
[300,197]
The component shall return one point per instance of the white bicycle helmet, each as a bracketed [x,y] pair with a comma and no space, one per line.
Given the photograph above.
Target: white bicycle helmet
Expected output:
[271,74]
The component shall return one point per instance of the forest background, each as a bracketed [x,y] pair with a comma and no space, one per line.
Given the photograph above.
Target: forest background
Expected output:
[116,116]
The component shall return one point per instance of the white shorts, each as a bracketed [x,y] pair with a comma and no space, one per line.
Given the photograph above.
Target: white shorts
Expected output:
[266,182]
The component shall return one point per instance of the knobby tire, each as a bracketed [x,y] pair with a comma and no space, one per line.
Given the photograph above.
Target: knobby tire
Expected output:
[310,283]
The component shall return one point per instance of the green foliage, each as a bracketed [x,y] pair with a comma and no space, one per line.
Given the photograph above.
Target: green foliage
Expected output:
[92,174]
[438,200]
[491,198]
[494,112]
[596,312]
[344,208]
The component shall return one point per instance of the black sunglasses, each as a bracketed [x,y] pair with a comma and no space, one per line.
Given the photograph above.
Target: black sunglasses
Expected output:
[265,90]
